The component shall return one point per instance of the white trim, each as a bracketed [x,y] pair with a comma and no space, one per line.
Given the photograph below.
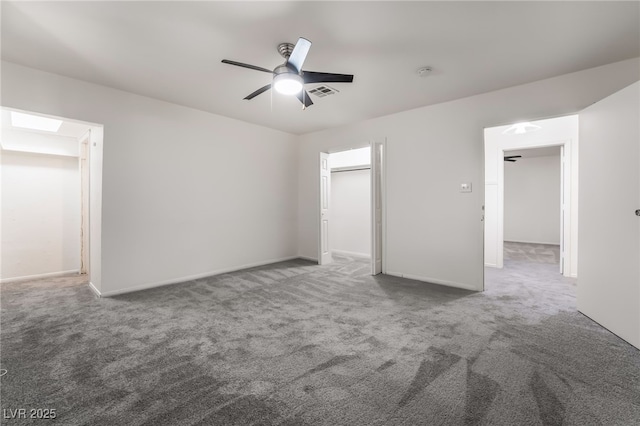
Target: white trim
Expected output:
[178,280]
[382,193]
[385,161]
[312,259]
[94,289]
[433,281]
[38,276]
[351,253]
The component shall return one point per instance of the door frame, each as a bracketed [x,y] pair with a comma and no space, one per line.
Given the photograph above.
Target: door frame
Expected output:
[563,133]
[382,190]
[565,211]
[85,188]
[378,227]
[91,186]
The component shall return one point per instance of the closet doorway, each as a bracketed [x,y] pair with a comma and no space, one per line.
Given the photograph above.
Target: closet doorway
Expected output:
[350,232]
[351,205]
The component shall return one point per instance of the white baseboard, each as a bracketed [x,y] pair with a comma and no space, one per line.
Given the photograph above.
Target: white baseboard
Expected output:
[37,276]
[491,265]
[190,277]
[94,289]
[433,281]
[351,253]
[312,259]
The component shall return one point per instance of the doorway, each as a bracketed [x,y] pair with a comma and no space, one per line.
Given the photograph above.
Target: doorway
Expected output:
[500,142]
[532,205]
[51,196]
[350,201]
[351,204]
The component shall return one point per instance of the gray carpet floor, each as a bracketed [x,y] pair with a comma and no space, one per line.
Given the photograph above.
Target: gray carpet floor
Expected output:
[538,253]
[299,344]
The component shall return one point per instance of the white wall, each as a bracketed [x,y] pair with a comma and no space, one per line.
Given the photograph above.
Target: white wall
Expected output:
[609,283]
[532,200]
[185,193]
[434,232]
[351,212]
[40,215]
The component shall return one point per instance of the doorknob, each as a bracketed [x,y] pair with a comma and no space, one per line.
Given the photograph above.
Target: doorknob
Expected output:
[638,212]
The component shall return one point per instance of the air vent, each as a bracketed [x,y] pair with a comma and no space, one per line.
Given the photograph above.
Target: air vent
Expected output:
[322,91]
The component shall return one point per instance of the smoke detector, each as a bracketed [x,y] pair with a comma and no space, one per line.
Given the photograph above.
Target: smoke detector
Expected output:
[424,71]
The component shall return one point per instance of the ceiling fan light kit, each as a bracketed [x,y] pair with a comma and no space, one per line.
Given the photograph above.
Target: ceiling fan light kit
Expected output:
[287,84]
[289,78]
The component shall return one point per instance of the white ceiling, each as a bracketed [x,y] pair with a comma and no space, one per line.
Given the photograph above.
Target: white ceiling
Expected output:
[172,50]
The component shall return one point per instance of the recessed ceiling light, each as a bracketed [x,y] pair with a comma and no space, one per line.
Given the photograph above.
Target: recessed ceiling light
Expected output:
[34,122]
[521,128]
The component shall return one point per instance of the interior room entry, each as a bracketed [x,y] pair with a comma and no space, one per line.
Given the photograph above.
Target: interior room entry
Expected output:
[51,195]
[351,204]
[500,143]
[533,205]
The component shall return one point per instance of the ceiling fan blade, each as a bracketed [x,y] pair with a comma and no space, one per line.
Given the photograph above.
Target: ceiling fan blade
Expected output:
[257,92]
[513,156]
[299,53]
[240,64]
[326,77]
[509,159]
[303,96]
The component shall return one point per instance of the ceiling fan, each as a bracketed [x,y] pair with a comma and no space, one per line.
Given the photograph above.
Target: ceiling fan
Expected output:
[512,158]
[289,77]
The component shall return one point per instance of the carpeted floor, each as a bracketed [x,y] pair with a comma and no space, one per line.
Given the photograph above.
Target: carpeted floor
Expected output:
[298,344]
[538,253]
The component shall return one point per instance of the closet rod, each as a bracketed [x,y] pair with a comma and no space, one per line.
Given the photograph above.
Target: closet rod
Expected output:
[350,169]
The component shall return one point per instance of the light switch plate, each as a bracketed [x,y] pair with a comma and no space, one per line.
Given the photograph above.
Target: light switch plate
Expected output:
[465,187]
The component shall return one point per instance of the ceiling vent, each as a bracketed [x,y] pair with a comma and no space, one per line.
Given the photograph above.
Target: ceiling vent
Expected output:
[322,91]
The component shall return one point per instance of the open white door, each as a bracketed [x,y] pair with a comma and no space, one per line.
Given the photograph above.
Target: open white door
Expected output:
[562,209]
[376,211]
[84,203]
[609,228]
[325,197]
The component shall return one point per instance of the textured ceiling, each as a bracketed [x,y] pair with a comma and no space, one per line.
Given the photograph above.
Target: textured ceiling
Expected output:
[172,50]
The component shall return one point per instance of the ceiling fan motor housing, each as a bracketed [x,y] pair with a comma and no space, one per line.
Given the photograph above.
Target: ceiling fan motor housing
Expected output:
[284,69]
[285,49]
